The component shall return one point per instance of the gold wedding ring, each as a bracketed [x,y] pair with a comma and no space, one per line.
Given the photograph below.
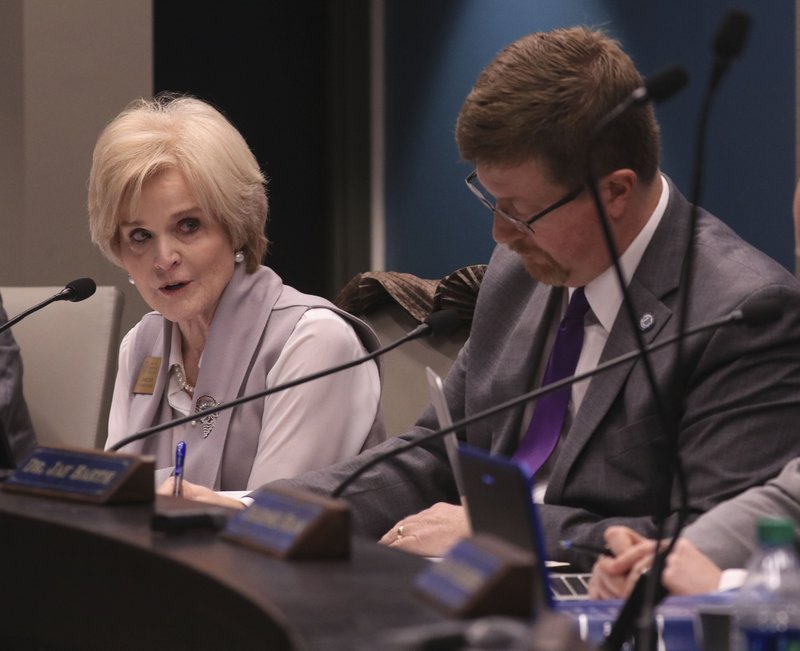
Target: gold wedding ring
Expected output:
[400,531]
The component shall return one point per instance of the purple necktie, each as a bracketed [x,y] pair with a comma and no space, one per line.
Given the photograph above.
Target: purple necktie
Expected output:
[548,416]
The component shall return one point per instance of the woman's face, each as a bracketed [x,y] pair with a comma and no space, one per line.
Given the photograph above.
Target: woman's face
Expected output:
[179,257]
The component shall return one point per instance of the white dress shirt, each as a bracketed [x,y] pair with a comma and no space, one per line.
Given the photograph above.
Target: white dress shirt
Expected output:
[604,296]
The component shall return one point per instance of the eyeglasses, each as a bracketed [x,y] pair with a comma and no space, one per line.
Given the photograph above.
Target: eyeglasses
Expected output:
[522,225]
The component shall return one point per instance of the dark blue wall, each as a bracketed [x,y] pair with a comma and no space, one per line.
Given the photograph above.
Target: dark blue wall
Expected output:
[436,48]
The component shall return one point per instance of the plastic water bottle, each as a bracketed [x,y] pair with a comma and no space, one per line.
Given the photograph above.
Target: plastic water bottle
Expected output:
[768,604]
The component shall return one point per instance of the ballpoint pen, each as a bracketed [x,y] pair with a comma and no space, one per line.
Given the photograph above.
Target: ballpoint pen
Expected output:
[180,458]
[589,549]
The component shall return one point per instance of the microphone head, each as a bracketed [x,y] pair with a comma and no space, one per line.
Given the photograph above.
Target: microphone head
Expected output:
[761,311]
[78,290]
[443,322]
[664,84]
[732,34]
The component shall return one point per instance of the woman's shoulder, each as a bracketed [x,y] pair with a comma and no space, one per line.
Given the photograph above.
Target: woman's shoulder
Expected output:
[148,326]
[149,321]
[325,322]
[325,331]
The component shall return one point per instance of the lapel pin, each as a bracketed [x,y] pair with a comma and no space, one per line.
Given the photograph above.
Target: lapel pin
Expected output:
[646,322]
[203,403]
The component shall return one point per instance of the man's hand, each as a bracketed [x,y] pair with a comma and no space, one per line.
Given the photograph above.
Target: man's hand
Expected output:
[431,532]
[621,539]
[614,577]
[191,491]
[687,569]
[690,571]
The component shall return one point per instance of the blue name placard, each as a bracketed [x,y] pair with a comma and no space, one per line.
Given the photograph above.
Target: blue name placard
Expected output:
[88,475]
[459,576]
[273,521]
[293,524]
[482,575]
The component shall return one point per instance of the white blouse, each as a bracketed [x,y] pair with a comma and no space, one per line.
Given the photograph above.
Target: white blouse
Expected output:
[304,428]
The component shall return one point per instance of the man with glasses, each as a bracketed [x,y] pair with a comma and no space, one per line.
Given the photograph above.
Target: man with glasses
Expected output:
[600,451]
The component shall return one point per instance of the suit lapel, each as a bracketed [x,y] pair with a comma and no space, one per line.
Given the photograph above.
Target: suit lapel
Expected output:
[657,276]
[242,314]
[144,407]
[513,375]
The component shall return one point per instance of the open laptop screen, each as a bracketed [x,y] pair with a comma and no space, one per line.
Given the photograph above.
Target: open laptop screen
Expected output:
[498,496]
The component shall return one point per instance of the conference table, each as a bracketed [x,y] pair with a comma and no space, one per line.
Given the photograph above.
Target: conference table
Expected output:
[82,576]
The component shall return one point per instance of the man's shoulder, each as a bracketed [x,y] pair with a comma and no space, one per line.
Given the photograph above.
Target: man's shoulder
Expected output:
[721,253]
[506,287]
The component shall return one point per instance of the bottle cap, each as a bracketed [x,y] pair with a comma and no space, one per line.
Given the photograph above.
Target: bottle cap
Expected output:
[775,531]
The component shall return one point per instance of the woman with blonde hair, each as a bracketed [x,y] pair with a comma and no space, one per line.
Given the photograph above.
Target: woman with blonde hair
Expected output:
[177,199]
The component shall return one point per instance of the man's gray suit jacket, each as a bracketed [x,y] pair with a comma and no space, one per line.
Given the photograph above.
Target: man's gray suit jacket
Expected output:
[738,403]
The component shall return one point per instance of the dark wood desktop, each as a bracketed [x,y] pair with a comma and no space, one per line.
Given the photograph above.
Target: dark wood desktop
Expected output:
[78,576]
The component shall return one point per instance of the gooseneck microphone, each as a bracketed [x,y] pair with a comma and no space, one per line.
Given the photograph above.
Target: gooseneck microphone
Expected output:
[75,291]
[657,87]
[760,311]
[442,322]
[728,44]
[660,86]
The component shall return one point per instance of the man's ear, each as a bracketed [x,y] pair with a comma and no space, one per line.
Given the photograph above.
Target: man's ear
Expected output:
[616,191]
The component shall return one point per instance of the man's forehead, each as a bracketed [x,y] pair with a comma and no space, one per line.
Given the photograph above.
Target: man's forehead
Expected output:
[529,176]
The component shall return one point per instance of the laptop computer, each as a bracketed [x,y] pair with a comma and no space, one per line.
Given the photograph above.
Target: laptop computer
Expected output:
[498,495]
[445,419]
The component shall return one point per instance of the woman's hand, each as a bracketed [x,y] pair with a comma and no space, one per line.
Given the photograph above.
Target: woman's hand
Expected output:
[191,491]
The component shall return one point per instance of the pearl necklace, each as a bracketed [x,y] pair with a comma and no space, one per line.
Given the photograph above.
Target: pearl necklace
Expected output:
[181,378]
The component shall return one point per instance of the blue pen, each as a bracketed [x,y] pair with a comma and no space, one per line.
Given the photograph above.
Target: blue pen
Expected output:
[180,457]
[589,549]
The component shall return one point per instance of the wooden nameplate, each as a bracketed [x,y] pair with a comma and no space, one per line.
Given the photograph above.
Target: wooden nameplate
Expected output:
[85,475]
[293,524]
[481,575]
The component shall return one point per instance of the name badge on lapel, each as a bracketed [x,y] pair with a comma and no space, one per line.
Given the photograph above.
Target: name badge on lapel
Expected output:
[146,382]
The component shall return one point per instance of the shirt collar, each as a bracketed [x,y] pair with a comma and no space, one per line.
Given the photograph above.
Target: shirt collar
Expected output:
[175,357]
[603,293]
[177,397]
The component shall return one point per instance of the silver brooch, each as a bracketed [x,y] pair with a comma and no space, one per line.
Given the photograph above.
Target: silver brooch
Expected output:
[203,403]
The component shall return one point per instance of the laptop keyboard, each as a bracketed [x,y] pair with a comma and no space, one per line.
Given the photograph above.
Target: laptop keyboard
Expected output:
[570,586]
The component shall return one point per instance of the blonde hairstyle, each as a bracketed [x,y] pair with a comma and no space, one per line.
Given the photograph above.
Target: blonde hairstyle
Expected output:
[541,96]
[189,135]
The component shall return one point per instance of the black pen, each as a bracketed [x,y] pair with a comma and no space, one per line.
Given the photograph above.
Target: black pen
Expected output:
[180,458]
[589,549]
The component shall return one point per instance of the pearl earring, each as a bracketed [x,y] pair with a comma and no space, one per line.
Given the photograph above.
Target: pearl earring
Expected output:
[238,257]
[131,280]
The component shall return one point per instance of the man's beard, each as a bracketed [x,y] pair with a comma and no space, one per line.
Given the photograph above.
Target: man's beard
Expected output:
[541,266]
